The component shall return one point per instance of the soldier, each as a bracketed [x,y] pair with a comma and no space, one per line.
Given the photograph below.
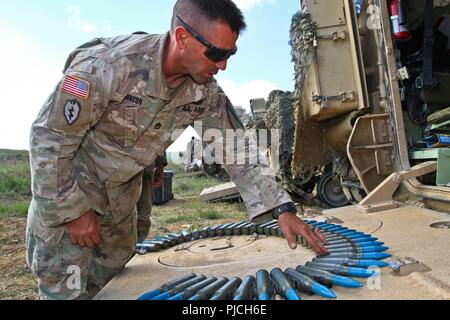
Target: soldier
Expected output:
[110,116]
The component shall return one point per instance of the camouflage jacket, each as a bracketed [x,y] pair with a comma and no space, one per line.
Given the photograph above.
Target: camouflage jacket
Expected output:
[109,117]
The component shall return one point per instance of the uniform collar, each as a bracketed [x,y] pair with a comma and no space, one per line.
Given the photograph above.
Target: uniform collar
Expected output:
[157,86]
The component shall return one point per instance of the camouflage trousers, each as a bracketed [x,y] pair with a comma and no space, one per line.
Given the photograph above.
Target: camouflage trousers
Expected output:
[144,205]
[70,272]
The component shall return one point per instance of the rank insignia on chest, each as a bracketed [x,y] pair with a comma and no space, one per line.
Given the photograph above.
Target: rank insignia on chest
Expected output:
[72,110]
[76,87]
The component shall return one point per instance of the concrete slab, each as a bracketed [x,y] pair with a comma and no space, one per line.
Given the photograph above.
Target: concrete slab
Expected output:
[405,230]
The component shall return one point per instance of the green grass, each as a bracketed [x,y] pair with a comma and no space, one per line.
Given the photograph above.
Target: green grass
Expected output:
[178,168]
[15,181]
[14,185]
[15,194]
[14,208]
[191,211]
[13,155]
[193,186]
[209,214]
[14,173]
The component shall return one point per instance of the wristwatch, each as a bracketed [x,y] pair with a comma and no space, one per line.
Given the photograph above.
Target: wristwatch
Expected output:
[287,207]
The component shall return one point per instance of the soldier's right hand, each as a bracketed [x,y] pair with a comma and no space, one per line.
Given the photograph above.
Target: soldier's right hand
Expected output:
[85,231]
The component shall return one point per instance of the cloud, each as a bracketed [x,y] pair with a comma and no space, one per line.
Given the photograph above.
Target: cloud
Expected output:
[240,95]
[249,4]
[74,22]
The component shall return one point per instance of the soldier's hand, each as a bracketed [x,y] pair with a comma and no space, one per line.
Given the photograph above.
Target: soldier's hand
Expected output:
[291,225]
[158,178]
[85,231]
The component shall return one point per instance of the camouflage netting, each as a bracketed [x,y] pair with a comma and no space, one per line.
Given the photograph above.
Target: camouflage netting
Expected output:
[303,37]
[303,34]
[280,108]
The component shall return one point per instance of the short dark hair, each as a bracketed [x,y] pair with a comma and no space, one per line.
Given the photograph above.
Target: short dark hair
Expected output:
[196,11]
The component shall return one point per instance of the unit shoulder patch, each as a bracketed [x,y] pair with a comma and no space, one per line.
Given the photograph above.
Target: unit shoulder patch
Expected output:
[72,109]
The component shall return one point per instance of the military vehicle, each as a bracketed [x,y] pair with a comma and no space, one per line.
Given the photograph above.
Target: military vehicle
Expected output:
[371,108]
[372,98]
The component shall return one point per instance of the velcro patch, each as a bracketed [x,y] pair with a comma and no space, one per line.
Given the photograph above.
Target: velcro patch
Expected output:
[76,87]
[72,110]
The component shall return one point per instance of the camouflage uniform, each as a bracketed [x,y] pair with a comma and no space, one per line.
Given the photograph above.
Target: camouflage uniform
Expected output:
[90,152]
[144,205]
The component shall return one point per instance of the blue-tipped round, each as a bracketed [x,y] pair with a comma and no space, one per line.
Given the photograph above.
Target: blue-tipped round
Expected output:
[370,244]
[375,249]
[352,233]
[361,245]
[346,282]
[149,295]
[319,225]
[162,296]
[360,249]
[323,291]
[371,263]
[375,256]
[363,239]
[292,294]
[333,228]
[177,297]
[264,297]
[354,238]
[360,272]
[194,298]
[360,237]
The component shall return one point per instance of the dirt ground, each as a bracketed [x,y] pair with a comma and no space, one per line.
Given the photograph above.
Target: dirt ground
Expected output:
[16,281]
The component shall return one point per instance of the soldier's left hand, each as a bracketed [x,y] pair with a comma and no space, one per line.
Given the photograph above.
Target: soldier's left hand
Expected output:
[158,177]
[291,225]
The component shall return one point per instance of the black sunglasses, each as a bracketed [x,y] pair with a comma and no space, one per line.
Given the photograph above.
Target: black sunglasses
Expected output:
[212,53]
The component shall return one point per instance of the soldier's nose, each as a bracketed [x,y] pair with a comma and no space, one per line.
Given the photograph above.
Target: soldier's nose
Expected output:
[222,65]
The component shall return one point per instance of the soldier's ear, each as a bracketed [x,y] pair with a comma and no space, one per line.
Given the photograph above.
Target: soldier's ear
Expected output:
[181,37]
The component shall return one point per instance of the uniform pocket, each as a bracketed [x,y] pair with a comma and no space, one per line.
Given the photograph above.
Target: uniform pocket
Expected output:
[44,151]
[131,128]
[43,259]
[123,198]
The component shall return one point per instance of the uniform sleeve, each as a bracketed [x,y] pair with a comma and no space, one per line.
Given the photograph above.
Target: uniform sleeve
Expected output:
[161,160]
[249,168]
[75,106]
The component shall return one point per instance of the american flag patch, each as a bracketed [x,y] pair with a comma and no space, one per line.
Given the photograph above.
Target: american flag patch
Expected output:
[76,87]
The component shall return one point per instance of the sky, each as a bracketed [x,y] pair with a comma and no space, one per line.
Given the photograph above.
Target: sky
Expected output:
[37,36]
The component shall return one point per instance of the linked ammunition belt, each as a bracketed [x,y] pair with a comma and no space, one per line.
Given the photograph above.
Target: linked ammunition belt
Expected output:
[352,254]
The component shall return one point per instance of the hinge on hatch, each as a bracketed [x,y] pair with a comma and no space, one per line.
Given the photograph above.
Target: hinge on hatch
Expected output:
[336,35]
[343,96]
